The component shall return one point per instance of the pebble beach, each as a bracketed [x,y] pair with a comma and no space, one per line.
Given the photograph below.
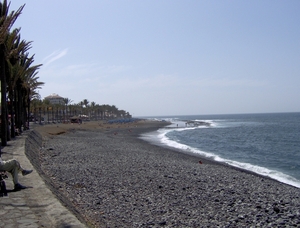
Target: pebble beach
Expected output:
[109,177]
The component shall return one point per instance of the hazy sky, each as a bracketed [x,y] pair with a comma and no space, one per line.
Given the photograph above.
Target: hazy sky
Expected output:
[168,57]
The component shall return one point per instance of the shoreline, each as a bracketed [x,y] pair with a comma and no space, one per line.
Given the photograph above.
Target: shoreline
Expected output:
[284,179]
[123,180]
[210,160]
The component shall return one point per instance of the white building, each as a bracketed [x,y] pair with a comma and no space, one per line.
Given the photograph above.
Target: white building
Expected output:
[55,99]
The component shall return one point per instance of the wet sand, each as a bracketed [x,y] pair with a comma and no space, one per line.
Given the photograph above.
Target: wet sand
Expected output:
[109,177]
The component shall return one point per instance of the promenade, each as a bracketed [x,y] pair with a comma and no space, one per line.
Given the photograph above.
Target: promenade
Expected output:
[35,206]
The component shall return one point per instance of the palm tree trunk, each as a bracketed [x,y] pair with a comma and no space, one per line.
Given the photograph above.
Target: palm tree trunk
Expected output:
[23,109]
[28,112]
[18,105]
[12,117]
[4,122]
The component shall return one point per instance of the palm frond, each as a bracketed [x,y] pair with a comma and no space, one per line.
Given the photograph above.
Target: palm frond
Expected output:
[7,20]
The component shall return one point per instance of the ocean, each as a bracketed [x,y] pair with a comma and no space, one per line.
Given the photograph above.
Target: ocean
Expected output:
[267,144]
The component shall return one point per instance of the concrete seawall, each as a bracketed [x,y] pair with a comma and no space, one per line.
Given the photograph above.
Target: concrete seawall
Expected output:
[33,144]
[62,210]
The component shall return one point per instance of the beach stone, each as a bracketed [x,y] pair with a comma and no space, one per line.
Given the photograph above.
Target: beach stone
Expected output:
[276,209]
[123,181]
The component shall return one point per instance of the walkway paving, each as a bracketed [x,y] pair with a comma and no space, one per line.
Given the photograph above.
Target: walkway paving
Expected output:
[35,206]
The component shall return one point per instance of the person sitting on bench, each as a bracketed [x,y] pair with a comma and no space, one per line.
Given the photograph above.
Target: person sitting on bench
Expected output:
[13,166]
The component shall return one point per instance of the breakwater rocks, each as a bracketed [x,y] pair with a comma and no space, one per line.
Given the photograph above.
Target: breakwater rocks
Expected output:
[118,180]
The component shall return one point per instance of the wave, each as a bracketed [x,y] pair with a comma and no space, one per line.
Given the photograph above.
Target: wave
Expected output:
[160,137]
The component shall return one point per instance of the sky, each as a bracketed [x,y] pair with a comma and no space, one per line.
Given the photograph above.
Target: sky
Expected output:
[170,57]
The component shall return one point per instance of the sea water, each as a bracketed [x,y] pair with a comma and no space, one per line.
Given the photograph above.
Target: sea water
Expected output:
[268,144]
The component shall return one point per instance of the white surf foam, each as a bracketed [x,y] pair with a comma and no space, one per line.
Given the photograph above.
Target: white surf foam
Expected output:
[160,137]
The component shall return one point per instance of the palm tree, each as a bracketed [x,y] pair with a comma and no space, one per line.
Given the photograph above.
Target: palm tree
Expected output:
[30,85]
[47,103]
[67,102]
[26,85]
[6,22]
[93,105]
[36,106]
[14,47]
[85,102]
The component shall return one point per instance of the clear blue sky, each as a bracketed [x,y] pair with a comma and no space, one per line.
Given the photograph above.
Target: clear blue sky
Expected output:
[168,57]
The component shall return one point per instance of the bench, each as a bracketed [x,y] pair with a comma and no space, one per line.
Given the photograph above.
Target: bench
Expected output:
[3,190]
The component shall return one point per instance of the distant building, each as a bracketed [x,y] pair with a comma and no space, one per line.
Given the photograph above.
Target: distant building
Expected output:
[55,99]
